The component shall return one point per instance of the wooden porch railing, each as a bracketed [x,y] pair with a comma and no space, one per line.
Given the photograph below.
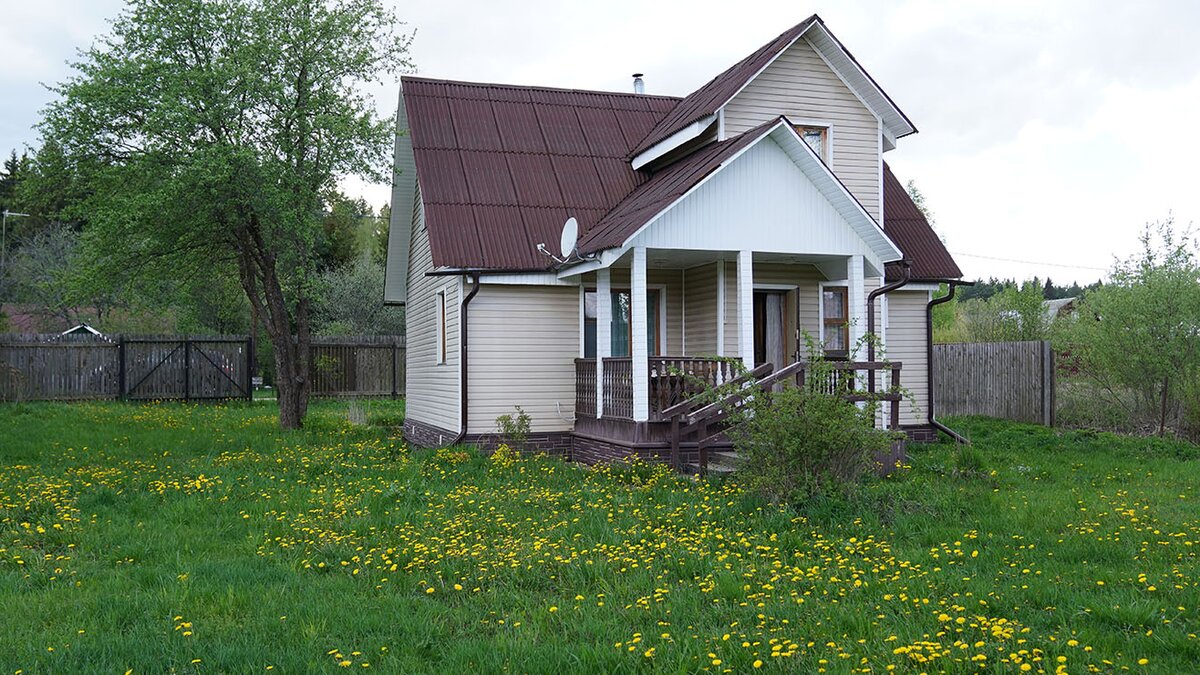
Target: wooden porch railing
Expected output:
[618,388]
[699,424]
[585,387]
[673,379]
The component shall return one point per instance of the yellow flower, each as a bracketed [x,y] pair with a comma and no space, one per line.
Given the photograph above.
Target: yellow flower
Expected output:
[758,663]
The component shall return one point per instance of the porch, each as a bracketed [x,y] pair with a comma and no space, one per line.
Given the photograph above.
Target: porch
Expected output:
[686,428]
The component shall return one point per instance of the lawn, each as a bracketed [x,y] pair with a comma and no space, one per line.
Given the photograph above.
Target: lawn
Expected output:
[199,538]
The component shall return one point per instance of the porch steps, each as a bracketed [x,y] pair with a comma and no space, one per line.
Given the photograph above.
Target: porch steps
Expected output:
[720,462]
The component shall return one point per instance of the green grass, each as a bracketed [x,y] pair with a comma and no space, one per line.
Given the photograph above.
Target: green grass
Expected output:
[196,538]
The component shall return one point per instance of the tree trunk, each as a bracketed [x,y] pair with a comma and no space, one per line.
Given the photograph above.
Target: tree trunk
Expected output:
[256,267]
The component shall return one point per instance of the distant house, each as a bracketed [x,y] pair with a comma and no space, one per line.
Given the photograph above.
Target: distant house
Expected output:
[725,224]
[82,330]
[1059,307]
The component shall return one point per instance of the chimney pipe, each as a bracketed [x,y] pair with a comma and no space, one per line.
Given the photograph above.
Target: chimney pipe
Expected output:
[639,87]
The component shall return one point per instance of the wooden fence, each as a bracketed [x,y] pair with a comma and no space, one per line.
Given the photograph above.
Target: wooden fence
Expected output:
[47,367]
[358,366]
[1008,380]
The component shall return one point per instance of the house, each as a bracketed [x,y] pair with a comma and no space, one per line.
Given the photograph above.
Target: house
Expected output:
[1059,307]
[725,224]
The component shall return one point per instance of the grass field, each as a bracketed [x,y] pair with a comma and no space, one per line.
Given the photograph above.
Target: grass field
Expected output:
[195,538]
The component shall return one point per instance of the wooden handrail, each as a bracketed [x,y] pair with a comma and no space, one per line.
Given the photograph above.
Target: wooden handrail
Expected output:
[686,406]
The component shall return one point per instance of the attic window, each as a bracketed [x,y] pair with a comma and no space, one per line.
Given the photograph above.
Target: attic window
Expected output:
[816,137]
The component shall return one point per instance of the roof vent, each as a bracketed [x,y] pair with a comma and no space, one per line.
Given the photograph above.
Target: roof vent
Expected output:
[639,87]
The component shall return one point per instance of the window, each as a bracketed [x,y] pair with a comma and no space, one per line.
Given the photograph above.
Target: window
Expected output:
[620,338]
[817,139]
[836,331]
[440,318]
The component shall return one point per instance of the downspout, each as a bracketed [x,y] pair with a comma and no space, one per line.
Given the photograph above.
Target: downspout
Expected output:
[462,358]
[905,277]
[952,284]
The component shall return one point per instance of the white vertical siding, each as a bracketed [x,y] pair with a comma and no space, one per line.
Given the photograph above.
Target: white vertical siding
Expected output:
[762,202]
[907,343]
[523,344]
[431,388]
[801,86]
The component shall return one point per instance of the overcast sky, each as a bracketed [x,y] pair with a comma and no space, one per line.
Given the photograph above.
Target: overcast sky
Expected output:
[1050,132]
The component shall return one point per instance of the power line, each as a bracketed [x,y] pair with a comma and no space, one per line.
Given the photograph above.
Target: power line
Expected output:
[1028,262]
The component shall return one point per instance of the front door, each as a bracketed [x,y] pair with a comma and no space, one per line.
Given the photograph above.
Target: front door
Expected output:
[769,342]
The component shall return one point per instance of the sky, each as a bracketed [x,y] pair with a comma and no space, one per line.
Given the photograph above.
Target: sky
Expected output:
[1051,132]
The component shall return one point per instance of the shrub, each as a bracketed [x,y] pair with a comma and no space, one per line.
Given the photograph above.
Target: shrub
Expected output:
[514,429]
[803,441]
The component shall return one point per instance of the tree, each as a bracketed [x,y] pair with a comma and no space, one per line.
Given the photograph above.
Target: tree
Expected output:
[208,131]
[1013,314]
[1140,333]
[348,302]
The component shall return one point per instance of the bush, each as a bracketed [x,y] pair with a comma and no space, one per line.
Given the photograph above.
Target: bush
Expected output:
[514,429]
[799,442]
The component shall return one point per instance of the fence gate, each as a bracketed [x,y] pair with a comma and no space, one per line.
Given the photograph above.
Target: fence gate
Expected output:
[185,368]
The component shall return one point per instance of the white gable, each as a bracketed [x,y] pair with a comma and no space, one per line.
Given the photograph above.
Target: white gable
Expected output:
[763,200]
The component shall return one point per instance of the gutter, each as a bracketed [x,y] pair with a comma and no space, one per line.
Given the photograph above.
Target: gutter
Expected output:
[906,276]
[952,283]
[462,357]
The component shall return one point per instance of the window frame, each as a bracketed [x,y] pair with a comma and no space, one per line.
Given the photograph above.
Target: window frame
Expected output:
[842,288]
[826,129]
[439,319]
[660,335]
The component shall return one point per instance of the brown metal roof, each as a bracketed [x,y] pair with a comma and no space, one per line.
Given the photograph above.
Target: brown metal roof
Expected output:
[910,231]
[666,186]
[709,98]
[501,168]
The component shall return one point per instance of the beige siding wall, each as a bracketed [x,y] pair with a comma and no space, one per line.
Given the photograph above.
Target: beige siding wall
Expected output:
[523,344]
[700,310]
[431,389]
[906,343]
[799,85]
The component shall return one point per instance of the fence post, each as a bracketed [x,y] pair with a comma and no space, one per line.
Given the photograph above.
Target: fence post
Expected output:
[249,378]
[187,369]
[395,348]
[1047,384]
[121,368]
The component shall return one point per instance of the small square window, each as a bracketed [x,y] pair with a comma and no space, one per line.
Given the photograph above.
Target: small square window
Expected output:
[817,139]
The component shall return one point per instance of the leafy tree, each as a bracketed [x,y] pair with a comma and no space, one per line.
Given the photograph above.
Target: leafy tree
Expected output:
[1140,333]
[208,131]
[349,302]
[1015,314]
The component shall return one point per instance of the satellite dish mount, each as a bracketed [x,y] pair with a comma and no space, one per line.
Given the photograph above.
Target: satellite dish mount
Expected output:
[567,244]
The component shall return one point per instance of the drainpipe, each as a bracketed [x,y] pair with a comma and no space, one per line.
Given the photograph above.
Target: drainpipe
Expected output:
[905,277]
[952,283]
[462,357]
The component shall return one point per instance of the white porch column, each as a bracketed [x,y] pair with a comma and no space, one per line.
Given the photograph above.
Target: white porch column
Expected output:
[720,308]
[745,290]
[637,334]
[603,332]
[857,298]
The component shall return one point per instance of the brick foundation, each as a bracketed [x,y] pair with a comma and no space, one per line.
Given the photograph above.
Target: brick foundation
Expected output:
[557,443]
[923,433]
[424,435]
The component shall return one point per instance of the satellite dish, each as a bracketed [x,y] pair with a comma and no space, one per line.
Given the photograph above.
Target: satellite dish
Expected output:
[570,235]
